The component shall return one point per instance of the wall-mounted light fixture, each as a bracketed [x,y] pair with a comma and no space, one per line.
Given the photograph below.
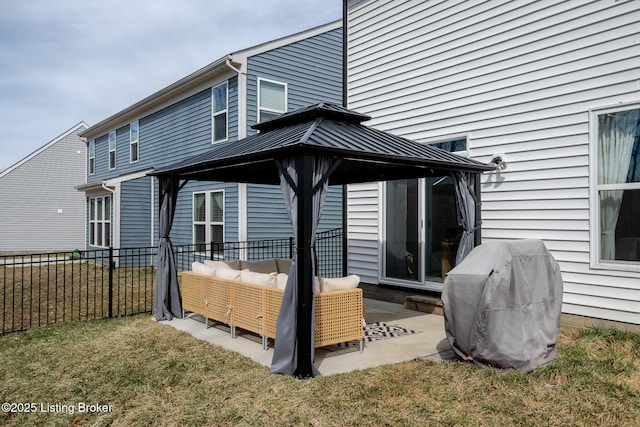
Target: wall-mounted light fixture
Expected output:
[500,160]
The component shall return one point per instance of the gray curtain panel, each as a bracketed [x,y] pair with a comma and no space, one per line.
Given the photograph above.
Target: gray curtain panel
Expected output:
[285,352]
[466,201]
[168,303]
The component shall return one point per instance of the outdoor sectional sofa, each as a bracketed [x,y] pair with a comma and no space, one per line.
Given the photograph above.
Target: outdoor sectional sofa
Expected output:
[248,294]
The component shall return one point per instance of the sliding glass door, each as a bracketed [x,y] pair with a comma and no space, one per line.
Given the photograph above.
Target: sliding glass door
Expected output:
[402,225]
[421,231]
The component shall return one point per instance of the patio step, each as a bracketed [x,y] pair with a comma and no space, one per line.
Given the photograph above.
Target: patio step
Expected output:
[424,303]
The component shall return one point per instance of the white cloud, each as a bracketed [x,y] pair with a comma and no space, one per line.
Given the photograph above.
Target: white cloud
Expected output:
[67,61]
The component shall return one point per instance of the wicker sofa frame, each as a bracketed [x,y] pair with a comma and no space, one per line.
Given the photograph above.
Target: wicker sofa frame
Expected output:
[338,314]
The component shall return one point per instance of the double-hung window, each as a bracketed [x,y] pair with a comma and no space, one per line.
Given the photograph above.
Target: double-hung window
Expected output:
[208,219]
[134,142]
[220,117]
[112,150]
[616,200]
[92,157]
[272,99]
[100,221]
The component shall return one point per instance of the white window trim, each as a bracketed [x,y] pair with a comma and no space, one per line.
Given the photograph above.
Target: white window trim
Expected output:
[594,208]
[271,110]
[92,171]
[136,142]
[115,153]
[217,113]
[207,222]
[99,224]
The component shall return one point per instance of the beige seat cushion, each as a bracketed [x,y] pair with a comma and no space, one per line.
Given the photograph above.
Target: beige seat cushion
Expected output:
[284,265]
[339,283]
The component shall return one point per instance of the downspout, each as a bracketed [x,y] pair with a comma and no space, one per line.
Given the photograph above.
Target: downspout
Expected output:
[345,188]
[242,133]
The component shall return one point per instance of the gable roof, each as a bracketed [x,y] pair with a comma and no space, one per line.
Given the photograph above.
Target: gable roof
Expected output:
[366,154]
[81,125]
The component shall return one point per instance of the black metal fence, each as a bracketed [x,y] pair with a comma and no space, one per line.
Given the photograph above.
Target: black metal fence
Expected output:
[42,289]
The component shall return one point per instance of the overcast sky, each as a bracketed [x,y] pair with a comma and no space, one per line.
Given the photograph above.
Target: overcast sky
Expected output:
[66,61]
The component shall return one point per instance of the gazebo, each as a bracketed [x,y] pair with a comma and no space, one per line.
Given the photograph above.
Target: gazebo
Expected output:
[305,151]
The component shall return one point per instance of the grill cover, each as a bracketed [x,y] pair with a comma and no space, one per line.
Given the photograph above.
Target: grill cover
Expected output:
[502,305]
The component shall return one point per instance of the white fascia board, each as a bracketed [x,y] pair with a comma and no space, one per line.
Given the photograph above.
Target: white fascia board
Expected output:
[110,182]
[43,148]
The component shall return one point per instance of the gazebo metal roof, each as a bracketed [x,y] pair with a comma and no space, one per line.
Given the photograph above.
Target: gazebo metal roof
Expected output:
[367,154]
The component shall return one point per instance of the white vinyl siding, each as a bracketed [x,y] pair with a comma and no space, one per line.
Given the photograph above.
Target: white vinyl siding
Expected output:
[363,231]
[272,99]
[518,78]
[40,208]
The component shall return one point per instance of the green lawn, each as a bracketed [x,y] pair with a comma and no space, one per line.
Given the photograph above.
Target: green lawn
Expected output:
[151,374]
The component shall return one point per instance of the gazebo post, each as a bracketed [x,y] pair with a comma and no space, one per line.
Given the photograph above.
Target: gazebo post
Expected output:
[304,167]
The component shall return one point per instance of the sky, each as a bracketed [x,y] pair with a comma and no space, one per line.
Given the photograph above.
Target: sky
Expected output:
[67,61]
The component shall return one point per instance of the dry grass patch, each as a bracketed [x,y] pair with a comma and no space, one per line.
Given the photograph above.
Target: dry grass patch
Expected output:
[152,374]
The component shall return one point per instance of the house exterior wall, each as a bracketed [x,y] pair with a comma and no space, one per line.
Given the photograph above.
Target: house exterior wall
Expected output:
[312,70]
[135,213]
[520,78]
[311,67]
[41,210]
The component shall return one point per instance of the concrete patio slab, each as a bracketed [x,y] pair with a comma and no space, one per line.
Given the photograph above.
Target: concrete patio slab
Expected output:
[430,343]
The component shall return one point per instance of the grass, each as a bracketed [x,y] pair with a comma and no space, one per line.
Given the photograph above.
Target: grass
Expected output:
[53,292]
[152,374]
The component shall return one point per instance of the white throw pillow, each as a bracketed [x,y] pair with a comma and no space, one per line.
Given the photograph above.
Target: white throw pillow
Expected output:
[200,268]
[281,281]
[235,265]
[227,273]
[339,283]
[263,279]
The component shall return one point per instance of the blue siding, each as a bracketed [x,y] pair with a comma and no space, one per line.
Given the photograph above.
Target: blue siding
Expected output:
[166,136]
[267,216]
[101,160]
[135,213]
[233,109]
[182,231]
[176,132]
[311,68]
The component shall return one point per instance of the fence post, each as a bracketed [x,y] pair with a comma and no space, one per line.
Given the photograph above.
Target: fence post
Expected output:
[110,281]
